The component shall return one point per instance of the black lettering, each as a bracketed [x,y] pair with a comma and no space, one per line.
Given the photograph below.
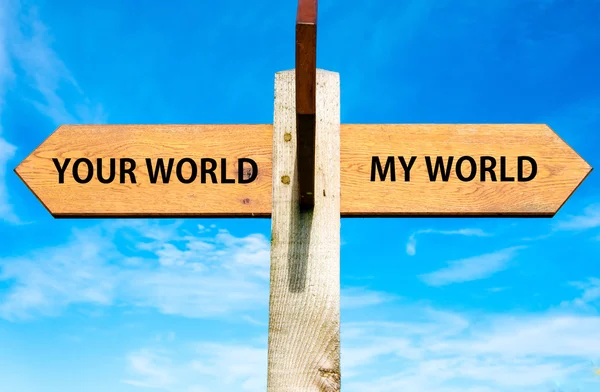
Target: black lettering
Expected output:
[127,170]
[389,165]
[407,167]
[205,170]
[490,169]
[61,169]
[253,171]
[459,171]
[224,179]
[90,168]
[520,168]
[439,163]
[179,171]
[160,166]
[503,177]
[111,171]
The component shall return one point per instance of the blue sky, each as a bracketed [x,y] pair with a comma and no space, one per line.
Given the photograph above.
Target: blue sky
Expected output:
[445,305]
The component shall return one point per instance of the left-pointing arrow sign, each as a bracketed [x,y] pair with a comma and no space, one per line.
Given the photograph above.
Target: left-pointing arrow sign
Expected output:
[153,170]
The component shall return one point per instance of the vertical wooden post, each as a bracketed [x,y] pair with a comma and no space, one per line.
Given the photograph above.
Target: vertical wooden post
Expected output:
[306,79]
[304,308]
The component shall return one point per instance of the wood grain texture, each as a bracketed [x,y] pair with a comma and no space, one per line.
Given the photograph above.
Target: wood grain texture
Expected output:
[304,316]
[306,56]
[144,199]
[305,79]
[307,12]
[306,144]
[560,170]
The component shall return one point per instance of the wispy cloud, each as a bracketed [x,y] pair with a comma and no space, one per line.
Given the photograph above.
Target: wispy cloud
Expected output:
[493,353]
[47,280]
[589,297]
[169,269]
[411,245]
[589,219]
[497,289]
[25,44]
[7,150]
[151,368]
[199,367]
[472,268]
[424,350]
[199,272]
[358,297]
[52,81]
[245,364]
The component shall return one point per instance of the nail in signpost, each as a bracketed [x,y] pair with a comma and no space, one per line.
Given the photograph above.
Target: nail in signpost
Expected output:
[305,172]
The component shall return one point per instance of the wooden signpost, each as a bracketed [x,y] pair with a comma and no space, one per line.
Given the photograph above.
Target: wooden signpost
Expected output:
[227,170]
[305,172]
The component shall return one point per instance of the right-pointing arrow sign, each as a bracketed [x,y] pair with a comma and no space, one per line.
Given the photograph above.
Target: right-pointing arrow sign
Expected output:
[456,170]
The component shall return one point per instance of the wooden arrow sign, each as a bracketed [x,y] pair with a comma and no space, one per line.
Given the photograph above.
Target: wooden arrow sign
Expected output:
[225,170]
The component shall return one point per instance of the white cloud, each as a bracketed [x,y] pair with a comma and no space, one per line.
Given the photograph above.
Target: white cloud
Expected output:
[411,245]
[358,297]
[590,295]
[193,273]
[429,350]
[453,353]
[6,23]
[472,268]
[26,43]
[169,269]
[200,367]
[7,152]
[46,73]
[245,365]
[591,290]
[202,276]
[169,337]
[48,279]
[590,219]
[151,368]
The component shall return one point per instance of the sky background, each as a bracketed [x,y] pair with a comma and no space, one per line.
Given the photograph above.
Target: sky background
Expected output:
[445,305]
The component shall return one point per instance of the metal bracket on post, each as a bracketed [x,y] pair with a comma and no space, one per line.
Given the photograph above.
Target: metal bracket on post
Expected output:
[306,82]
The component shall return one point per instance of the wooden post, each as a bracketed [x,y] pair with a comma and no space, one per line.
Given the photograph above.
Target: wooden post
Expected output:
[304,317]
[306,79]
